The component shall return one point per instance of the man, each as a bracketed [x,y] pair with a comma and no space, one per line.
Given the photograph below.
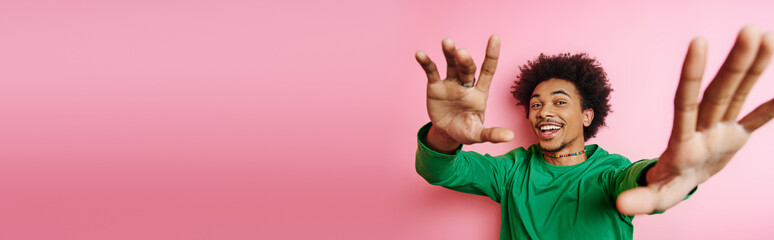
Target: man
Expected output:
[560,188]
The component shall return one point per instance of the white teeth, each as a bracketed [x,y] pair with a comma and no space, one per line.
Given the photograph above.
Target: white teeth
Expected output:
[549,127]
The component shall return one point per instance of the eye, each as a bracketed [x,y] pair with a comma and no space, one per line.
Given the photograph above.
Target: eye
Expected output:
[560,102]
[536,105]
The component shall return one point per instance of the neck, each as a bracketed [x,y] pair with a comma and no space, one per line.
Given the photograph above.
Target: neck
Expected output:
[568,160]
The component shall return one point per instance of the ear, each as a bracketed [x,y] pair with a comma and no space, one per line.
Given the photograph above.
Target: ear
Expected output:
[588,116]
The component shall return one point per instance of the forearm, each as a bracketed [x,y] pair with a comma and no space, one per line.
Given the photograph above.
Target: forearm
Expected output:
[462,171]
[432,164]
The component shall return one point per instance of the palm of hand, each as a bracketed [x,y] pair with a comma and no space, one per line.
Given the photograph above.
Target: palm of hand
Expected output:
[708,150]
[456,109]
[705,135]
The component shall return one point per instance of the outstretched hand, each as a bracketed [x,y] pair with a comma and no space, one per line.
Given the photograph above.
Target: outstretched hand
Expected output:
[705,135]
[456,104]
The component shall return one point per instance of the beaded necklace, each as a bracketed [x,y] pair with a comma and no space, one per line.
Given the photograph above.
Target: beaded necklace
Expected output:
[565,155]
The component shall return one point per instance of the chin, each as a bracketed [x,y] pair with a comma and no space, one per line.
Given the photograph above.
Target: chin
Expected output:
[552,147]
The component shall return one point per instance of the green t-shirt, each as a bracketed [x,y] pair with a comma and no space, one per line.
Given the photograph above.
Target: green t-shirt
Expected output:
[539,200]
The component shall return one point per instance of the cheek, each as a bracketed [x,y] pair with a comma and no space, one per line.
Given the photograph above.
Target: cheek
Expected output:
[575,121]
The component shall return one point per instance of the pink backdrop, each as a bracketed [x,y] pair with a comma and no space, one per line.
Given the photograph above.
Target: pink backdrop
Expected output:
[236,119]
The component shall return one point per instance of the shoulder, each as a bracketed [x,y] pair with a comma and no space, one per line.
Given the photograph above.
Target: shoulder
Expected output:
[600,156]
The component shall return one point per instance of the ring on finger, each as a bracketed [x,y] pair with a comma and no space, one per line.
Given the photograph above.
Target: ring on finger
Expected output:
[469,84]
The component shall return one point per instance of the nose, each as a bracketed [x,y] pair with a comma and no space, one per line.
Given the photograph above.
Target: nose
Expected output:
[545,112]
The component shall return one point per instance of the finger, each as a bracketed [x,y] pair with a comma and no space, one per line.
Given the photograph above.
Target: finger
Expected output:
[760,63]
[639,200]
[466,68]
[758,117]
[449,51]
[686,98]
[718,94]
[490,63]
[428,66]
[496,135]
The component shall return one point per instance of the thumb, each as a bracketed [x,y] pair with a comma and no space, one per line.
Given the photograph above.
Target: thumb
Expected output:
[496,135]
[639,200]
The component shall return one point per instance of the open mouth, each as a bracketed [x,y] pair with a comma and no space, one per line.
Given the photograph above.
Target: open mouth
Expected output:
[548,130]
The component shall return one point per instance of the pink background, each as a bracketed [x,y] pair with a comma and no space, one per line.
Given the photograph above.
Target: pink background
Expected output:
[297,119]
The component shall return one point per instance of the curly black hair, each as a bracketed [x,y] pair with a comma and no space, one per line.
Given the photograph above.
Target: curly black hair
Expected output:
[580,69]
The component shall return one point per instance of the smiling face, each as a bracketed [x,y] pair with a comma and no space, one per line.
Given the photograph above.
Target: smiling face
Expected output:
[557,116]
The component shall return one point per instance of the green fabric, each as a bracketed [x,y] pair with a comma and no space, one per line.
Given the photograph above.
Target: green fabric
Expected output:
[539,200]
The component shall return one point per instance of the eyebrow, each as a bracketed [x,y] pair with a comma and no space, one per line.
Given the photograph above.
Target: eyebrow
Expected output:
[553,93]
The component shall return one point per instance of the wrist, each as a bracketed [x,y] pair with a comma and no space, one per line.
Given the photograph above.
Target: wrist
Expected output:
[657,173]
[438,140]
